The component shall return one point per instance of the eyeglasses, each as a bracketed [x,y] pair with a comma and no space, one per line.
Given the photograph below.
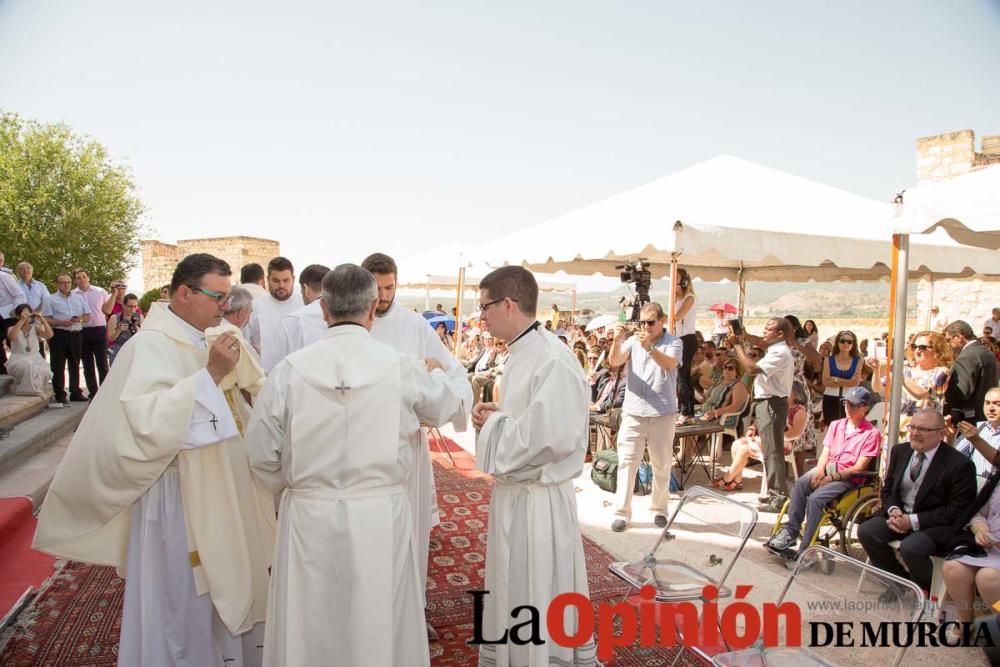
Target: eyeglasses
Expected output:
[647,323]
[846,341]
[219,297]
[920,348]
[921,429]
[484,306]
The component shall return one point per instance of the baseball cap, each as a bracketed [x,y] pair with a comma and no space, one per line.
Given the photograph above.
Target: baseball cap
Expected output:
[858,396]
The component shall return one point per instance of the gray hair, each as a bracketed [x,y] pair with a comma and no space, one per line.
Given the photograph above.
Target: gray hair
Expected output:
[349,291]
[23,265]
[239,298]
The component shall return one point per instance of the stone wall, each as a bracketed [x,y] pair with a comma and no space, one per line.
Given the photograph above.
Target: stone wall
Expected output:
[159,259]
[158,262]
[946,155]
[969,300]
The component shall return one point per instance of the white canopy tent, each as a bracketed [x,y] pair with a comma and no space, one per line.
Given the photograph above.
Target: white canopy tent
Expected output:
[965,207]
[463,283]
[731,218]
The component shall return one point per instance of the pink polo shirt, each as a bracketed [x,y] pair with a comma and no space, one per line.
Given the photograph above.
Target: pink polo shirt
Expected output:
[845,449]
[95,298]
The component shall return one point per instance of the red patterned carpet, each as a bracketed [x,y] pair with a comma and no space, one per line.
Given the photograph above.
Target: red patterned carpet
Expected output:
[75,620]
[22,568]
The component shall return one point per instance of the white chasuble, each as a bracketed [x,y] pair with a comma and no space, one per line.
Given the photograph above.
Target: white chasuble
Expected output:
[410,334]
[534,447]
[331,430]
[156,483]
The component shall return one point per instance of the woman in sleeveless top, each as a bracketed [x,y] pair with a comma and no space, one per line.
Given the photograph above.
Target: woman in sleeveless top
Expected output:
[30,371]
[728,396]
[841,371]
[684,327]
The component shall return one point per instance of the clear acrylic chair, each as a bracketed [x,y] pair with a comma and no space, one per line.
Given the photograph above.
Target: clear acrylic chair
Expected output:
[705,521]
[824,585]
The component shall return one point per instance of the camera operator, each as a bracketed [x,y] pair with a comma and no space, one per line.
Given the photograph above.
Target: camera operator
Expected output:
[123,325]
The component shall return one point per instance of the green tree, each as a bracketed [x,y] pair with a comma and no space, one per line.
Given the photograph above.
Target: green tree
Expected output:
[64,203]
[147,299]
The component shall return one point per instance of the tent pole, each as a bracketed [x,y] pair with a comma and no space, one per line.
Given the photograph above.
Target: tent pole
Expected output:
[572,308]
[741,296]
[930,304]
[427,294]
[672,308]
[900,273]
[458,311]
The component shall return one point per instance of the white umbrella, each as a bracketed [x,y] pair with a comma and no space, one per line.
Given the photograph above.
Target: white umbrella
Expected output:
[601,321]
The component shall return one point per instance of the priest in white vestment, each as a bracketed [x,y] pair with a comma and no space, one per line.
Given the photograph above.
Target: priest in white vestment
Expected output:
[533,443]
[306,324]
[409,333]
[270,309]
[332,430]
[156,482]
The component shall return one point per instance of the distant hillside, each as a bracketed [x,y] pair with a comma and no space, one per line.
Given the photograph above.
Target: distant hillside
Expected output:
[808,300]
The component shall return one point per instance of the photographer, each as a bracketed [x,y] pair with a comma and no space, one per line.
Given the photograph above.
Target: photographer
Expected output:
[30,371]
[124,325]
[649,412]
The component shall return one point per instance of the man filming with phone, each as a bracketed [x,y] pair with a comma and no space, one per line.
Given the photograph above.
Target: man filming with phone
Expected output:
[649,413]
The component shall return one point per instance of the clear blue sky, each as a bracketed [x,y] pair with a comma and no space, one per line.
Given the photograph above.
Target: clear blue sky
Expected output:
[345,127]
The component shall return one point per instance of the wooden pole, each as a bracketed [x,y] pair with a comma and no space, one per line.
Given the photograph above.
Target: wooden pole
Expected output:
[741,295]
[572,307]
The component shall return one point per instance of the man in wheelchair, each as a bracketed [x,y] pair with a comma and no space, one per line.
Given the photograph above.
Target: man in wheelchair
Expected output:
[850,445]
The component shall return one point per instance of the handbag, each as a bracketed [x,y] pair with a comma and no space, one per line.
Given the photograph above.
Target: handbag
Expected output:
[604,474]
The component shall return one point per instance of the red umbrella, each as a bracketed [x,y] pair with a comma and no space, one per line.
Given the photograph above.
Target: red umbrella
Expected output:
[723,308]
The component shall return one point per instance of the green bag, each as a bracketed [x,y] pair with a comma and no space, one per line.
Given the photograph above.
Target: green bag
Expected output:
[605,473]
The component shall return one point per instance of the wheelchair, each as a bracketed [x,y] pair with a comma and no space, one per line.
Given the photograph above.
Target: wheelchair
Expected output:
[842,516]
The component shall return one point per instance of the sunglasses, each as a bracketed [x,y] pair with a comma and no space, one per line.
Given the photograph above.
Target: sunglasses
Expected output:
[920,348]
[846,341]
[647,323]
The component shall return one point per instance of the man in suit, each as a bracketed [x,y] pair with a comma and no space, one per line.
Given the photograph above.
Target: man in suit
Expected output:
[927,487]
[974,373]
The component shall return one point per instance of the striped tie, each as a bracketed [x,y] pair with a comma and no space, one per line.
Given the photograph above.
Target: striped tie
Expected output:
[917,466]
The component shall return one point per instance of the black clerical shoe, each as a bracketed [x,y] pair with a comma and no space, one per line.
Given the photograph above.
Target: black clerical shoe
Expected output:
[79,398]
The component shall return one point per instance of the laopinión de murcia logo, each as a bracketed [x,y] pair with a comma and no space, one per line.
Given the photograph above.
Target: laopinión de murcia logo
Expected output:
[740,625]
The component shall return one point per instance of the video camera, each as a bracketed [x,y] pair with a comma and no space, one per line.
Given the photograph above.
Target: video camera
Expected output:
[634,272]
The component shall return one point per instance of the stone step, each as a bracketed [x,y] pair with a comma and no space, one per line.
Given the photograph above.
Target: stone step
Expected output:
[31,476]
[33,435]
[16,409]
[6,384]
